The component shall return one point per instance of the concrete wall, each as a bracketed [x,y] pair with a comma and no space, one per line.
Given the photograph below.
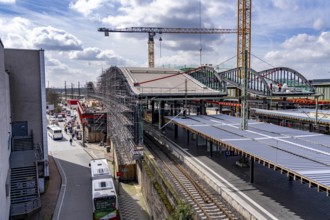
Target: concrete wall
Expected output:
[4,137]
[27,92]
[160,196]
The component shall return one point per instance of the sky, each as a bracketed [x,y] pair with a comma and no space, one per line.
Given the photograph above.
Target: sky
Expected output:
[289,33]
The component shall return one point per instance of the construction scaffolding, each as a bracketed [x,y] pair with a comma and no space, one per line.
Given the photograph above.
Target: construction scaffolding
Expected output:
[125,122]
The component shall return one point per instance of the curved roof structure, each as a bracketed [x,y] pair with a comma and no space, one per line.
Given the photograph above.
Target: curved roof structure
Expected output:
[279,81]
[165,82]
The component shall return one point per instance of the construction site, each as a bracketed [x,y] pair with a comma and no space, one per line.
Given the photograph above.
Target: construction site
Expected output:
[275,119]
[232,143]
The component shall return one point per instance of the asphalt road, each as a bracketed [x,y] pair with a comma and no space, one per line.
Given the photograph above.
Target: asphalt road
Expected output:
[75,199]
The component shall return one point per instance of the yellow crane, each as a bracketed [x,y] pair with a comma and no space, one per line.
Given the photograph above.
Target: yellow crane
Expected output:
[243,32]
[243,54]
[152,31]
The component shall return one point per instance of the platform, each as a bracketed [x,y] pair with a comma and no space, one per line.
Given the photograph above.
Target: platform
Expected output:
[302,155]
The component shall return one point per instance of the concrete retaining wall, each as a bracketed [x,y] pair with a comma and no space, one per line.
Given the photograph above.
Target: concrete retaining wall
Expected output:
[159,194]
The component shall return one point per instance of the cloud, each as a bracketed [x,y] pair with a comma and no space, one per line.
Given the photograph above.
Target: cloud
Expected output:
[306,47]
[8,1]
[156,13]
[58,73]
[21,33]
[86,7]
[300,40]
[286,4]
[303,52]
[55,63]
[95,54]
[51,38]
[16,25]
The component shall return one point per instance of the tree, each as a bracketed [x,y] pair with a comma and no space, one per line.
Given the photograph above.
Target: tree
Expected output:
[183,211]
[52,97]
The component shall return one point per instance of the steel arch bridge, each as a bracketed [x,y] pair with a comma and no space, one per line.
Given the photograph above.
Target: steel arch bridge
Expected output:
[279,81]
[209,77]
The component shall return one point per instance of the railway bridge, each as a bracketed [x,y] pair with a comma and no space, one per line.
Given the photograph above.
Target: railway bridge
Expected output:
[279,81]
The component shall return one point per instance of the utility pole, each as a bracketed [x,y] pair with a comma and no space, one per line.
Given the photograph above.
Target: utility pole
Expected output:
[65,93]
[78,90]
[71,90]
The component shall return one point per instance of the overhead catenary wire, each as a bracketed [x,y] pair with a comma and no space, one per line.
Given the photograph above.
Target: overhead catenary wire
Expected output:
[262,60]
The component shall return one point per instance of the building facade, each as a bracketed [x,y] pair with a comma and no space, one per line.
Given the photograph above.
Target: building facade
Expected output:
[23,135]
[5,138]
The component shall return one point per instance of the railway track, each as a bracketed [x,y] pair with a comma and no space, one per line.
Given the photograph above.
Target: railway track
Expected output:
[205,204]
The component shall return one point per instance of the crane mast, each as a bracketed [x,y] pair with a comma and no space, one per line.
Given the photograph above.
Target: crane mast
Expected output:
[152,31]
[243,32]
[244,53]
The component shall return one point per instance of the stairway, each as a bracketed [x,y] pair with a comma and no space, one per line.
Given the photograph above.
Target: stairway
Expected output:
[24,192]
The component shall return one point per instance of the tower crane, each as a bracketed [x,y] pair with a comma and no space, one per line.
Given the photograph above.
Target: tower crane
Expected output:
[152,31]
[243,32]
[244,52]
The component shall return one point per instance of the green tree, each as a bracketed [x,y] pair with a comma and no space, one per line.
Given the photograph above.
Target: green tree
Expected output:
[183,211]
[52,97]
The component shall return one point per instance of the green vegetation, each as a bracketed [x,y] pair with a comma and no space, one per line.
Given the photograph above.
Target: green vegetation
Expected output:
[52,97]
[158,188]
[183,211]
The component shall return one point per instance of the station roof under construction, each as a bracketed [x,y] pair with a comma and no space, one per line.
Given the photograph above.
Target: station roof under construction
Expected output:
[163,82]
[305,156]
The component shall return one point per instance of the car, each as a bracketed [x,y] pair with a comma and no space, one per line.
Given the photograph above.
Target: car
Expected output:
[53,120]
[60,118]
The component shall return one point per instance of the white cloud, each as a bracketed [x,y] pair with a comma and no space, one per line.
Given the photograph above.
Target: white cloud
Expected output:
[51,38]
[58,72]
[304,52]
[8,1]
[300,40]
[21,33]
[286,4]
[15,25]
[14,40]
[95,54]
[159,12]
[86,7]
